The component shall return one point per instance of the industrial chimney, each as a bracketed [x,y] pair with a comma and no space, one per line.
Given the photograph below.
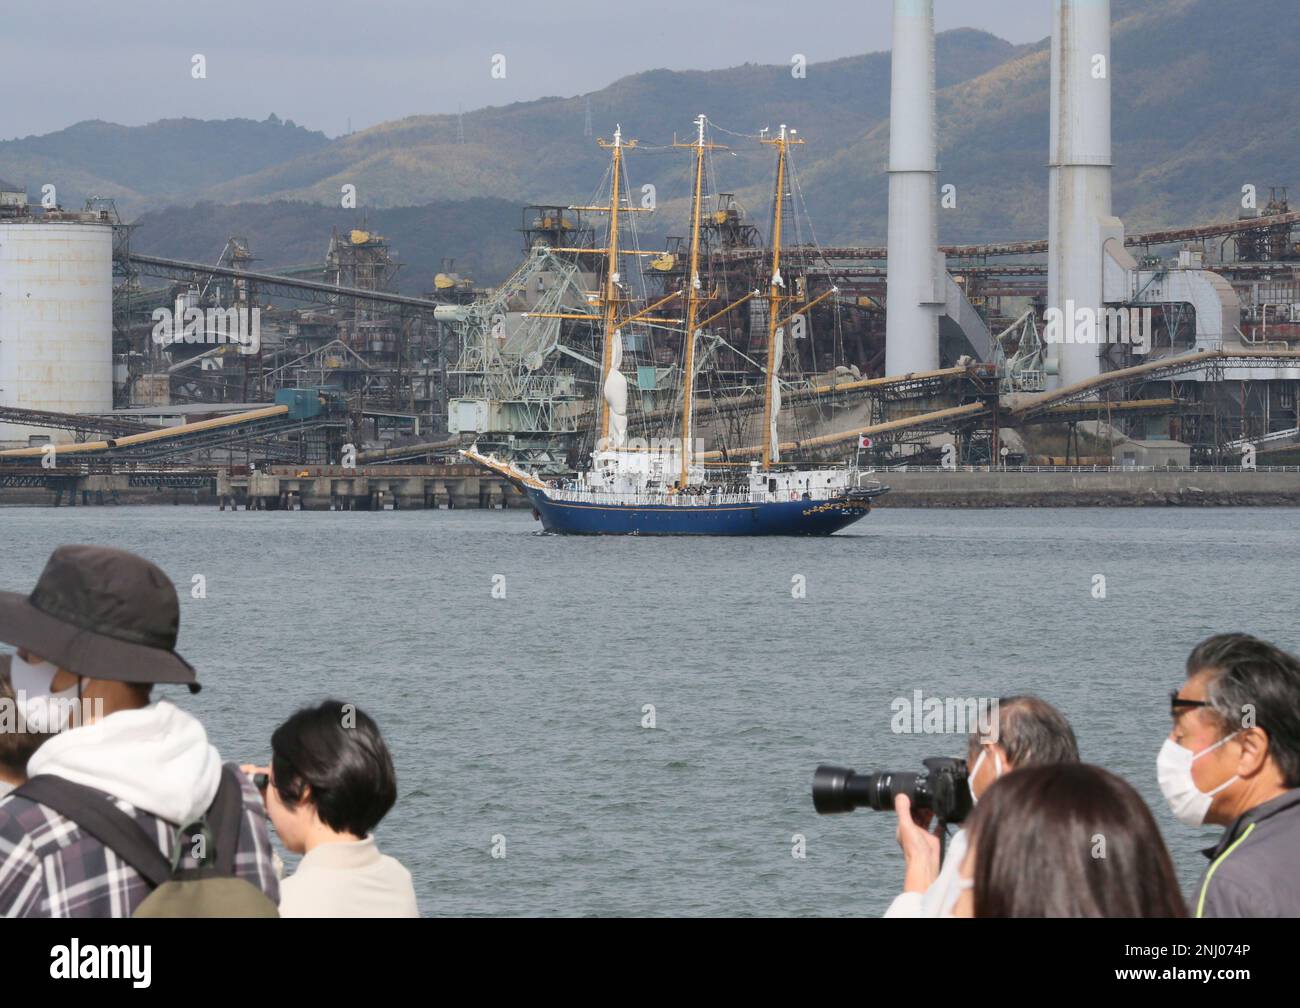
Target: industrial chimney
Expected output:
[915,294]
[1079,167]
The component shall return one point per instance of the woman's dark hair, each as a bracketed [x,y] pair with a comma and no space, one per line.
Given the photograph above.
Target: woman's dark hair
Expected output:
[334,756]
[1069,840]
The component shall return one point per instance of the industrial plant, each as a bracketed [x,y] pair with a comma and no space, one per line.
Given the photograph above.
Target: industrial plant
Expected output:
[323,386]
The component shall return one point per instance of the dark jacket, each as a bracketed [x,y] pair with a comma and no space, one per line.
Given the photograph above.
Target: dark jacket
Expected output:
[1255,867]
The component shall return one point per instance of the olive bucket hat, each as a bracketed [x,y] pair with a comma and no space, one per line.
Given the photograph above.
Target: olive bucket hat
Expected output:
[100,613]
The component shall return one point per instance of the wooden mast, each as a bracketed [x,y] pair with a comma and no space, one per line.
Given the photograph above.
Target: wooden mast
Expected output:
[610,322]
[694,297]
[774,296]
[610,305]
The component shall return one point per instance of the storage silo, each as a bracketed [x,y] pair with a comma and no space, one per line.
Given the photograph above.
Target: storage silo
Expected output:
[1079,177]
[915,288]
[56,319]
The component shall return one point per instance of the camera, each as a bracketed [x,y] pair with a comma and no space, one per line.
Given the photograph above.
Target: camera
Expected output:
[941,788]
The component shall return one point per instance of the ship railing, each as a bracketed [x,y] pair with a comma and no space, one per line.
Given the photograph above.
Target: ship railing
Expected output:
[679,500]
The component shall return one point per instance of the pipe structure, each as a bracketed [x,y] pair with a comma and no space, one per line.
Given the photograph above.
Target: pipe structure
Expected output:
[1034,407]
[913,292]
[151,436]
[1166,236]
[1079,177]
[408,451]
[1157,370]
[967,411]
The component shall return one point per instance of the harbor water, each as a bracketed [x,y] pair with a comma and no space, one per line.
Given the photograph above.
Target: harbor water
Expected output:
[513,674]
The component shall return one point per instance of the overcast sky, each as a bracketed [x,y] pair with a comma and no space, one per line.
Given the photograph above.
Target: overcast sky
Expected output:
[326,63]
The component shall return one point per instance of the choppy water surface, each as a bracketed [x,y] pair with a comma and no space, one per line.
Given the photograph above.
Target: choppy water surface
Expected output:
[521,716]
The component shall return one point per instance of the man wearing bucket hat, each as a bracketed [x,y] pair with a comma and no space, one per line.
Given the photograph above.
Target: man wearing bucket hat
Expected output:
[100,626]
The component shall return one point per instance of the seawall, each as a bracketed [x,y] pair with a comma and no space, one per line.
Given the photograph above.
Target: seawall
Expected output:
[964,488]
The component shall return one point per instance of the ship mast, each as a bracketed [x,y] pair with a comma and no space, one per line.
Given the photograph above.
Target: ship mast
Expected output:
[774,299]
[611,381]
[610,305]
[693,299]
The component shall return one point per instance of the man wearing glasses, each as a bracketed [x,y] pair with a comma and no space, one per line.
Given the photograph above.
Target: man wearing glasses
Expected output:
[1233,759]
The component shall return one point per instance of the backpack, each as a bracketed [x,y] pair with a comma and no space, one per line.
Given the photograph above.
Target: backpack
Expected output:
[209,890]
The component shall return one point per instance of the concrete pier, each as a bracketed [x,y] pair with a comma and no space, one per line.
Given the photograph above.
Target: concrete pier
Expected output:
[367,488]
[1103,487]
[289,488]
[376,488]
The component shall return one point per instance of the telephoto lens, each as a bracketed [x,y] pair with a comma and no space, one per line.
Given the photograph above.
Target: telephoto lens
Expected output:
[830,789]
[942,788]
[839,789]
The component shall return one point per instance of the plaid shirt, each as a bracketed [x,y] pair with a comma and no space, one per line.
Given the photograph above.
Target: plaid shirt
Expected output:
[50,868]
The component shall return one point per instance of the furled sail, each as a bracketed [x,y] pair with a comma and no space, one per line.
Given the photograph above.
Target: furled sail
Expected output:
[774,391]
[616,395]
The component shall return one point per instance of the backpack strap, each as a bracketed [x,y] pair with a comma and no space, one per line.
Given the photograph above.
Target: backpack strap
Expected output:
[225,817]
[219,824]
[96,814]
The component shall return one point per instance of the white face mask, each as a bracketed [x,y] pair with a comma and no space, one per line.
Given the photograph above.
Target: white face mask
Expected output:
[970,777]
[44,710]
[1189,803]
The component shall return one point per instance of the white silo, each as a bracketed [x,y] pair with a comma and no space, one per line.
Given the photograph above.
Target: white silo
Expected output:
[56,319]
[913,291]
[1079,183]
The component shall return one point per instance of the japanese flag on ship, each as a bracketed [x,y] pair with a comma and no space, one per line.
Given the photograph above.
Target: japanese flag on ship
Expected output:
[864,441]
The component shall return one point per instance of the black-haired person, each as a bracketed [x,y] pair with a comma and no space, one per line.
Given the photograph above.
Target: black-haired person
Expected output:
[1065,840]
[330,782]
[1233,759]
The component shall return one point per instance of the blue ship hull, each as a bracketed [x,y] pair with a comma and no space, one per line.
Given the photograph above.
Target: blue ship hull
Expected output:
[776,518]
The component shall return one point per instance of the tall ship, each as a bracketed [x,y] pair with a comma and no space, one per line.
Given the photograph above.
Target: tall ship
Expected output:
[670,486]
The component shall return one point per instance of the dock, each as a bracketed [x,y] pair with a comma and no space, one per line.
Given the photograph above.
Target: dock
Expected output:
[275,488]
[366,488]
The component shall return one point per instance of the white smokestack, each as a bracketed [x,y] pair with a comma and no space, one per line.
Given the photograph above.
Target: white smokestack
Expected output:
[1079,174]
[911,306]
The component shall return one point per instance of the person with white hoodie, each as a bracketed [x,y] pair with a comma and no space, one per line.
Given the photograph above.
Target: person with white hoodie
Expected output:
[100,626]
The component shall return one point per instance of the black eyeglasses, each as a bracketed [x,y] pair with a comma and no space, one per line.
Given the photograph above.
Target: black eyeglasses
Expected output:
[1176,702]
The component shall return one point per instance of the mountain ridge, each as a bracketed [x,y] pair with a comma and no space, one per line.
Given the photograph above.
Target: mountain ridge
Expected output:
[1205,99]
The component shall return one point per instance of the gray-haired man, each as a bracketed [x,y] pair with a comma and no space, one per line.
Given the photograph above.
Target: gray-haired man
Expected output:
[1030,732]
[1233,759]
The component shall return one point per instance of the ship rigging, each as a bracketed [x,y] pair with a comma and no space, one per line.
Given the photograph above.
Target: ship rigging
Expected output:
[663,489]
